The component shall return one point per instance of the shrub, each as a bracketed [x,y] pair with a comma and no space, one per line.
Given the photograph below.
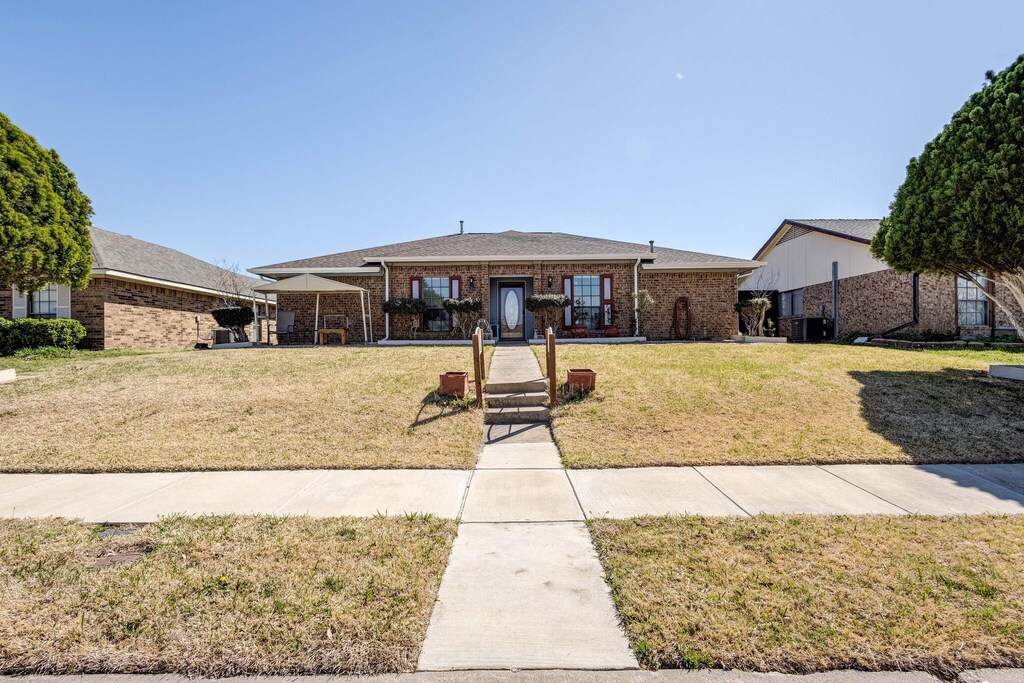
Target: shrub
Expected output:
[544,305]
[753,312]
[235,318]
[407,307]
[644,303]
[467,305]
[539,302]
[32,333]
[401,306]
[462,311]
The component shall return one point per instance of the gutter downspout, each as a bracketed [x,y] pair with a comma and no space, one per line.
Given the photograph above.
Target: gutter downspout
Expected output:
[917,308]
[387,297]
[636,297]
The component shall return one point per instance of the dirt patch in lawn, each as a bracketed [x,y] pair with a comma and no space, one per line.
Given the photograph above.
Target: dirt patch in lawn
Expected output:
[717,404]
[274,408]
[804,594]
[219,596]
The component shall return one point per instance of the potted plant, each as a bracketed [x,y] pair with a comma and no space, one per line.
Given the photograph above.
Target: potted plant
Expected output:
[581,380]
[611,329]
[580,318]
[454,384]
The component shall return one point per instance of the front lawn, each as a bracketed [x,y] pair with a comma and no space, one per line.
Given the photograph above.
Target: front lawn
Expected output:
[804,594]
[269,408]
[219,596]
[717,404]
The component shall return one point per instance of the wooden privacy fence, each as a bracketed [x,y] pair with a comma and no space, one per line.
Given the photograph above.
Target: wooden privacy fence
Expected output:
[549,366]
[479,367]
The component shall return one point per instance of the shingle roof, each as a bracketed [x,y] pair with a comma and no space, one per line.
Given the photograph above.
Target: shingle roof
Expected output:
[114,251]
[857,229]
[515,245]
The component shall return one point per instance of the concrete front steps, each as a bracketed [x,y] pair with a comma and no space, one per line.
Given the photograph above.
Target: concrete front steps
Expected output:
[516,394]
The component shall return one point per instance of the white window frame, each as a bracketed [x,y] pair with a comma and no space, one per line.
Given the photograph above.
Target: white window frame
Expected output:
[434,293]
[970,296]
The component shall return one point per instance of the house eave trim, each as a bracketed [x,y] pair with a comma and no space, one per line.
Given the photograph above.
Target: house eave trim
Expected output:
[157,282]
[722,266]
[370,271]
[498,258]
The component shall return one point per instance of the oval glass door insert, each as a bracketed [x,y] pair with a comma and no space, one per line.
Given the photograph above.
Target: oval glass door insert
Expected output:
[511,309]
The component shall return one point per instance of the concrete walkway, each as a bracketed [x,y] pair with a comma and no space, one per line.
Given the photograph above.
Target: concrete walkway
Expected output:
[523,588]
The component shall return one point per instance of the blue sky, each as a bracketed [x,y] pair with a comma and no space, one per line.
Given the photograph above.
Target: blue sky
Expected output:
[261,132]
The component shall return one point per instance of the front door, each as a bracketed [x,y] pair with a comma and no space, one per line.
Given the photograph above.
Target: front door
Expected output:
[511,313]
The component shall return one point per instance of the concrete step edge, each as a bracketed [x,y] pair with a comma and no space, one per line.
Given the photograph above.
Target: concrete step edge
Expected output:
[517,415]
[516,387]
[519,398]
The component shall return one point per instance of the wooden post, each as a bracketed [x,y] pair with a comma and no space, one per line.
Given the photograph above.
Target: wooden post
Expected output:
[478,343]
[549,339]
[483,365]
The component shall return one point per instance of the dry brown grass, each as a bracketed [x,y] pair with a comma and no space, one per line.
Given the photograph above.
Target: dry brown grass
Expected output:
[714,404]
[219,596]
[239,409]
[803,594]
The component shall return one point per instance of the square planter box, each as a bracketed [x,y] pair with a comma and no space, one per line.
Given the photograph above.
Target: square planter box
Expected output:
[454,384]
[581,379]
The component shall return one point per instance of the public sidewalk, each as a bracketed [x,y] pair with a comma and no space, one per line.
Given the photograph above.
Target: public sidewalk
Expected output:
[616,493]
[666,676]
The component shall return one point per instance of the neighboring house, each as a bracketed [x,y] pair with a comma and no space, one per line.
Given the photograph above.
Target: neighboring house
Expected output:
[140,295]
[872,298]
[600,277]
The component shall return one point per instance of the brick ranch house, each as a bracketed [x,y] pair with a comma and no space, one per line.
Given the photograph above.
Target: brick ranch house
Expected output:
[140,296]
[871,298]
[600,275]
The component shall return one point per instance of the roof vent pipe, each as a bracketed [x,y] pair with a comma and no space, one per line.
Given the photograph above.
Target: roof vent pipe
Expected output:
[652,246]
[462,230]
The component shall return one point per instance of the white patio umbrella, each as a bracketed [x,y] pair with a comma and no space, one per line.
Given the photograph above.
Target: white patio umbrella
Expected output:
[314,284]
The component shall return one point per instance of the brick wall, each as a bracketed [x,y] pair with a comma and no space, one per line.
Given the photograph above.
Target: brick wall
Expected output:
[87,308]
[712,298]
[1002,320]
[144,316]
[879,301]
